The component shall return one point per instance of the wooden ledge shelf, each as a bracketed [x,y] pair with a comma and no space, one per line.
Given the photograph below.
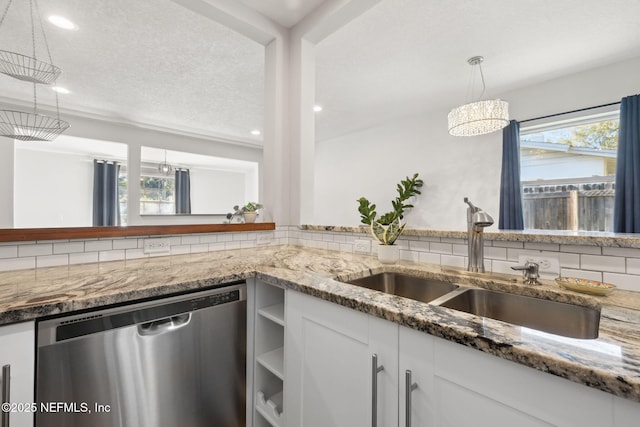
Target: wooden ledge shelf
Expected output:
[33,234]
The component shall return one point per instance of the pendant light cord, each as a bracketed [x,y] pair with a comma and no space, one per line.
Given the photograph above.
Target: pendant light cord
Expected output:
[4,14]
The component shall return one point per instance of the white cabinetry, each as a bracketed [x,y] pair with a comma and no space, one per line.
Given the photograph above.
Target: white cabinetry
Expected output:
[329,357]
[267,346]
[17,350]
[329,379]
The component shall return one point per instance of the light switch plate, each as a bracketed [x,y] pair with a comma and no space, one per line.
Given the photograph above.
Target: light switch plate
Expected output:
[549,265]
[362,246]
[157,246]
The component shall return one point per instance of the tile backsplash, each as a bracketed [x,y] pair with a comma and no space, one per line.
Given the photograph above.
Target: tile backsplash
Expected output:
[619,266]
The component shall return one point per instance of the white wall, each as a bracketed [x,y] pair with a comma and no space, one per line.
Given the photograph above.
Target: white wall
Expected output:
[216,191]
[6,182]
[370,162]
[52,189]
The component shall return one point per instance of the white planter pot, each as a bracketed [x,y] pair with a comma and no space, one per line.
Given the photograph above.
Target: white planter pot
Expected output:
[388,254]
[250,217]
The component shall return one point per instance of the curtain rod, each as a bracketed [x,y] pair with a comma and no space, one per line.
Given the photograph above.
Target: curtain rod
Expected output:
[569,112]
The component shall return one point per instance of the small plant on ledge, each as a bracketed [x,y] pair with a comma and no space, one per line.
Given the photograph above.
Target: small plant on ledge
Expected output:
[388,227]
[248,212]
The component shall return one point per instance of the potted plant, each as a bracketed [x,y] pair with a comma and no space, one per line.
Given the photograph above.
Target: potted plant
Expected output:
[248,212]
[388,227]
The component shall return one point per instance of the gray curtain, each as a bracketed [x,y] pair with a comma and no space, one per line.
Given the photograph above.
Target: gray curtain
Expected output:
[106,204]
[183,191]
[626,211]
[510,189]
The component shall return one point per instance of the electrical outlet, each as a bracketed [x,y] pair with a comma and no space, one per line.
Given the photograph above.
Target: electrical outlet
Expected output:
[548,265]
[362,246]
[157,246]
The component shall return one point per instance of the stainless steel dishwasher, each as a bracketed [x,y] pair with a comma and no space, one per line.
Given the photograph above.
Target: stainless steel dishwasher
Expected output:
[177,361]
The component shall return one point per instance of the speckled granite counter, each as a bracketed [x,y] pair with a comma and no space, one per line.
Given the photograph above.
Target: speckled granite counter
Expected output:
[610,363]
[588,238]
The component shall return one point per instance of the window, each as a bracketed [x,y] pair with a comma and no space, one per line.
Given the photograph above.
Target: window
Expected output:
[157,195]
[568,173]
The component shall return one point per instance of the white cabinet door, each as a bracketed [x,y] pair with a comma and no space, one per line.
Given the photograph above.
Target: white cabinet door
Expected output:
[416,368]
[474,388]
[17,349]
[328,365]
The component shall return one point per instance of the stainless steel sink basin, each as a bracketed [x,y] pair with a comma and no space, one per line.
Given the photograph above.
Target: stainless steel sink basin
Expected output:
[549,316]
[417,288]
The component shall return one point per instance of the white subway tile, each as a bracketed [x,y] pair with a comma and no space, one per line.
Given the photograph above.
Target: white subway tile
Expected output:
[248,244]
[410,256]
[552,247]
[566,259]
[105,256]
[419,246]
[429,258]
[441,248]
[453,261]
[208,238]
[504,267]
[625,252]
[581,249]
[9,264]
[83,258]
[623,281]
[453,241]
[333,246]
[219,246]
[346,247]
[52,260]
[136,253]
[320,244]
[68,248]
[603,263]
[203,247]
[239,236]
[429,239]
[225,237]
[189,240]
[35,250]
[506,244]
[231,245]
[173,241]
[181,249]
[402,244]
[514,254]
[327,237]
[494,253]
[124,244]
[633,266]
[462,250]
[280,234]
[8,251]
[98,246]
[581,274]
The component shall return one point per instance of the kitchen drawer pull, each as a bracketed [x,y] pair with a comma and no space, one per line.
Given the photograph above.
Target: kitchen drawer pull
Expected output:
[408,388]
[375,369]
[6,389]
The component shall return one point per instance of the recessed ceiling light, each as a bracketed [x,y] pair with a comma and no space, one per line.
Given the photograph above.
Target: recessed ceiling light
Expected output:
[317,108]
[255,132]
[62,22]
[61,89]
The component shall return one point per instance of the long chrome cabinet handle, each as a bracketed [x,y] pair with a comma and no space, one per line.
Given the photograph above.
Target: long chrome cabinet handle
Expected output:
[408,388]
[374,389]
[6,389]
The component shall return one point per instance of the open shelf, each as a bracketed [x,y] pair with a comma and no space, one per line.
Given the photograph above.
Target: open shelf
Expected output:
[275,313]
[274,362]
[270,408]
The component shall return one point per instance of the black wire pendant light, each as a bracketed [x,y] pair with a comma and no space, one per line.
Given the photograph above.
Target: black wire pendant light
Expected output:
[22,125]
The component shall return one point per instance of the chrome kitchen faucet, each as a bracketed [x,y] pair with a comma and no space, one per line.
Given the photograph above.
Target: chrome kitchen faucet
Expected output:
[477,220]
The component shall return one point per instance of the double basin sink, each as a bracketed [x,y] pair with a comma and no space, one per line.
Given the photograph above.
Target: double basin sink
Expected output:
[557,318]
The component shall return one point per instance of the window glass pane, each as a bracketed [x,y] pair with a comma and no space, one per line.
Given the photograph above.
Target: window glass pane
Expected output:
[157,195]
[568,174]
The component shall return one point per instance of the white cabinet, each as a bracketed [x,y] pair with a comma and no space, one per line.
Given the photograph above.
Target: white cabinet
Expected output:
[329,379]
[17,350]
[329,356]
[266,345]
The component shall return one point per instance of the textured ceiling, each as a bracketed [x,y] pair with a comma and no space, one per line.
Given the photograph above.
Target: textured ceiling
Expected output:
[146,61]
[403,57]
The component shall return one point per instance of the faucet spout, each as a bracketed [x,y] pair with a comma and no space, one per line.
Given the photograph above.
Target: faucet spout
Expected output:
[477,220]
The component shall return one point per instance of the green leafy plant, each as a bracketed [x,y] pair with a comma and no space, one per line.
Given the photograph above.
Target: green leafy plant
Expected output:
[387,228]
[250,207]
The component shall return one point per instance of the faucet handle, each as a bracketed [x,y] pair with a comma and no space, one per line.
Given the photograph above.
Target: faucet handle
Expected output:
[529,272]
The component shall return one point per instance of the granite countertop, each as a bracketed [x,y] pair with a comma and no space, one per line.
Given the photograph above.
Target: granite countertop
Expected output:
[610,363]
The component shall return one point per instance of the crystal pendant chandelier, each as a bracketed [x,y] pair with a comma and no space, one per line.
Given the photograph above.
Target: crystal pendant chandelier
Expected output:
[479,117]
[23,125]
[165,168]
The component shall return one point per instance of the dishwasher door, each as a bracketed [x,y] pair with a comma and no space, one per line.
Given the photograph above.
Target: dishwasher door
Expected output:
[179,361]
